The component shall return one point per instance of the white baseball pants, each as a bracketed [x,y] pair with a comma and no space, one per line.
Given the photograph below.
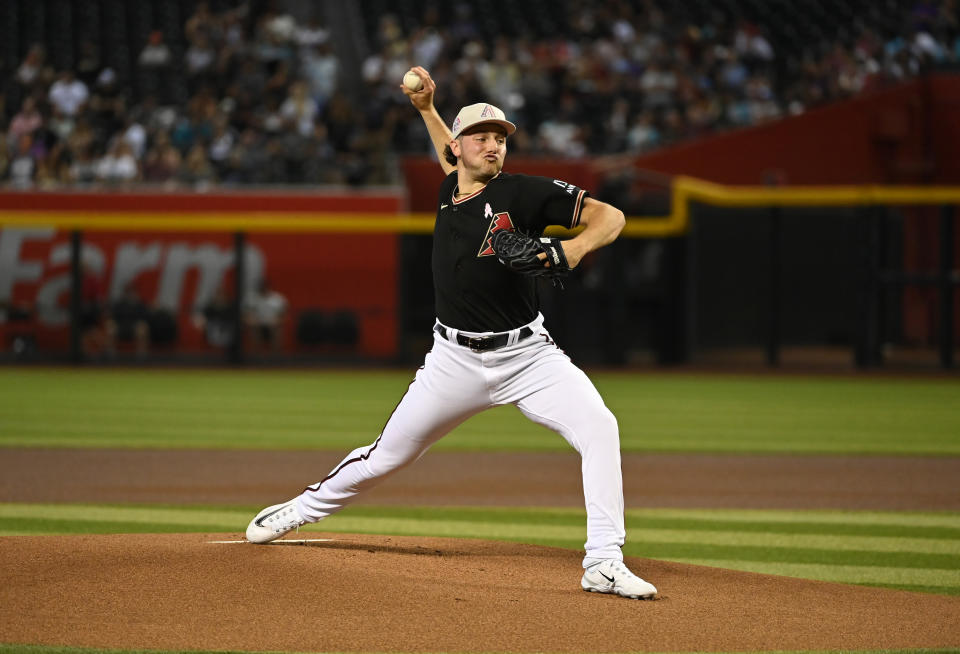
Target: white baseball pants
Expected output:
[456,383]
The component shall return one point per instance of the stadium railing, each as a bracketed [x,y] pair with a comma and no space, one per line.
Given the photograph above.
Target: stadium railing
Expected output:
[687,192]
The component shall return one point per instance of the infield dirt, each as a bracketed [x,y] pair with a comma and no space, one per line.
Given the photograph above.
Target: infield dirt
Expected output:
[402,594]
[390,594]
[486,479]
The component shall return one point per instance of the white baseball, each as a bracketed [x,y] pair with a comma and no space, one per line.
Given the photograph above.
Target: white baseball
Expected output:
[412,81]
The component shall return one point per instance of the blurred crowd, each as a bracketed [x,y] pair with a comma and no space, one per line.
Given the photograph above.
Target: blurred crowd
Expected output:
[260,97]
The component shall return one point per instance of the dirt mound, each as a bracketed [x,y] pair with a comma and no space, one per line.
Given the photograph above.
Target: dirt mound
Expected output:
[386,593]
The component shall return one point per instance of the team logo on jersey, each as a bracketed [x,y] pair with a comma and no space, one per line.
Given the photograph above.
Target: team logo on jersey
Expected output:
[497,222]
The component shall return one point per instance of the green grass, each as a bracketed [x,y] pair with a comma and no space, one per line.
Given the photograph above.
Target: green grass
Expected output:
[657,412]
[913,551]
[339,410]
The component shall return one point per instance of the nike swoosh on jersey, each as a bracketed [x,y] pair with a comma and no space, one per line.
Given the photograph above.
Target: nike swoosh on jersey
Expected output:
[443,206]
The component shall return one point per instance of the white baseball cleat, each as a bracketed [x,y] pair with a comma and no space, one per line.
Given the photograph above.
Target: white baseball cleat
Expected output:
[273,522]
[612,576]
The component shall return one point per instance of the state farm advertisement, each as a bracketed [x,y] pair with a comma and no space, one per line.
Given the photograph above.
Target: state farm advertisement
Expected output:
[349,276]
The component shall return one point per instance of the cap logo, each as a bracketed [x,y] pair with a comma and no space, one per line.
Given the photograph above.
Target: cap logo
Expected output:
[488,112]
[456,124]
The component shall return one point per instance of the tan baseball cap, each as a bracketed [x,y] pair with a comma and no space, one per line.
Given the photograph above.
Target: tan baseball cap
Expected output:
[476,114]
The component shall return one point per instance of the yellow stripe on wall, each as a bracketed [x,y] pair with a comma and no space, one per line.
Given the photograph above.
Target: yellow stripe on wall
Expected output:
[286,222]
[683,191]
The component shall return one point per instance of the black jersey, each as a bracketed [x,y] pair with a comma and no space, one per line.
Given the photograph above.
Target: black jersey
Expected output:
[473,290]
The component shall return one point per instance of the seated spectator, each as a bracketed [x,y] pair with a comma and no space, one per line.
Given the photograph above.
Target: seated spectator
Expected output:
[89,62]
[27,121]
[106,90]
[314,160]
[562,134]
[61,125]
[216,319]
[200,57]
[222,141]
[82,169]
[274,36]
[201,21]
[17,324]
[234,37]
[156,53]
[57,165]
[135,135]
[320,68]
[46,177]
[299,110]
[128,321]
[312,34]
[68,95]
[196,170]
[30,70]
[118,166]
[23,165]
[250,82]
[658,84]
[162,162]
[264,316]
[278,83]
[92,306]
[82,137]
[270,119]
[4,155]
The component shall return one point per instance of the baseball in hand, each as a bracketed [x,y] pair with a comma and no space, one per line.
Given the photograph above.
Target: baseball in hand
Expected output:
[412,81]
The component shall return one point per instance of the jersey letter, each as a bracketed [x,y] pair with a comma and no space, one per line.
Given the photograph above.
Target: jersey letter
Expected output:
[569,188]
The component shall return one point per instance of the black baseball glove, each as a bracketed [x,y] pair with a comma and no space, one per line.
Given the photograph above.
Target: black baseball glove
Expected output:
[521,253]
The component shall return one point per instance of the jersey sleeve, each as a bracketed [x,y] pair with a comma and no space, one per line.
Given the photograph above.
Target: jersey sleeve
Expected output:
[552,202]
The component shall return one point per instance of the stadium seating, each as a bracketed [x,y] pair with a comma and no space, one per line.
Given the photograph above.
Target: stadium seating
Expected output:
[792,50]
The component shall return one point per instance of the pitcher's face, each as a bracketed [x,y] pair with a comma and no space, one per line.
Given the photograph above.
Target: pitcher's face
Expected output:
[481,152]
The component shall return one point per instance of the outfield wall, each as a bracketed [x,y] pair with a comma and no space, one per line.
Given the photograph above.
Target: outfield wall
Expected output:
[179,269]
[664,294]
[903,134]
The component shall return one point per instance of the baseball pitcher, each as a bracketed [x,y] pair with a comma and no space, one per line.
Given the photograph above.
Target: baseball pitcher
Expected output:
[490,345]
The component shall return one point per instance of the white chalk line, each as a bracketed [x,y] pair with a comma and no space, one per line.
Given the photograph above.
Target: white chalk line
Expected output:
[300,541]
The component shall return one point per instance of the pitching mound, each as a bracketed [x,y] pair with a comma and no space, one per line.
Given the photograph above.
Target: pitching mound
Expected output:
[378,593]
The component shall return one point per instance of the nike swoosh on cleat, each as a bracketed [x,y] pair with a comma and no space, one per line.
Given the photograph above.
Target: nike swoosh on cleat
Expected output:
[610,579]
[259,522]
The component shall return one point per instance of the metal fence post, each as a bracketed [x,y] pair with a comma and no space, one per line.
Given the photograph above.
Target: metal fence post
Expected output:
[76,295]
[867,347]
[239,289]
[688,323]
[946,286]
[773,299]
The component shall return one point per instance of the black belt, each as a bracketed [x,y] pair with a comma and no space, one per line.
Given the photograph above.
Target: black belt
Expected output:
[484,343]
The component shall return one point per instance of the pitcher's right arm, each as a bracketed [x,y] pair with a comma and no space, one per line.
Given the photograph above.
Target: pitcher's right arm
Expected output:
[423,101]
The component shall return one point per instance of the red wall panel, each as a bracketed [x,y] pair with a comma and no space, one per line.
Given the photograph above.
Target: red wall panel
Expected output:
[944,117]
[220,202]
[180,271]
